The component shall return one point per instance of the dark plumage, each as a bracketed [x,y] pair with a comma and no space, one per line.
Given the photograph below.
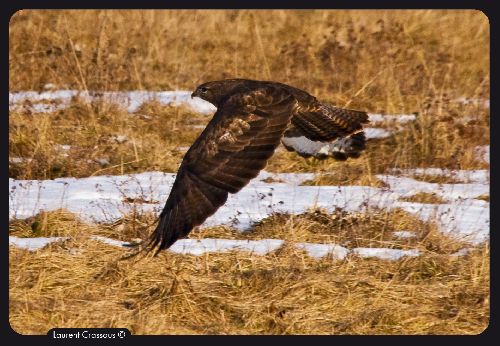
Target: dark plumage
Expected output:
[251,119]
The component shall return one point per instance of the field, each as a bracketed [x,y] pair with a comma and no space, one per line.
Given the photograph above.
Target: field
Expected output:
[429,66]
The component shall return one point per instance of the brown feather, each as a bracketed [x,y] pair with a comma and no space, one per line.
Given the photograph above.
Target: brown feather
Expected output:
[250,121]
[324,122]
[241,143]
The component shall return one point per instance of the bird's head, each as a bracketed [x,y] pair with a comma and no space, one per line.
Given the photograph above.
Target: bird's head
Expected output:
[214,92]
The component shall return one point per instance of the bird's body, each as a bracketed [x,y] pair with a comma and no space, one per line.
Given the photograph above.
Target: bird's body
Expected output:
[252,118]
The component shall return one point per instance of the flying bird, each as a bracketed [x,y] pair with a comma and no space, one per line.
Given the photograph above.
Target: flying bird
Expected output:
[252,118]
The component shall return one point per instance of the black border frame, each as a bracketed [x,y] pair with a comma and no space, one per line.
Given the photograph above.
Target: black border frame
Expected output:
[485,6]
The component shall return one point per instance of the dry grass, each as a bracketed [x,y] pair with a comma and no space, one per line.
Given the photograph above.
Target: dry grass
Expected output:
[334,54]
[351,172]
[373,229]
[81,282]
[95,137]
[484,198]
[337,59]
[424,197]
[438,179]
[378,61]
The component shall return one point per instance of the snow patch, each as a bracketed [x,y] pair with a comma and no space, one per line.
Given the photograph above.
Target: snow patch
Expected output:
[64,147]
[104,199]
[19,159]
[404,234]
[33,244]
[407,187]
[386,254]
[132,100]
[376,132]
[396,118]
[483,151]
[468,220]
[462,252]
[200,246]
[261,247]
[109,241]
[322,250]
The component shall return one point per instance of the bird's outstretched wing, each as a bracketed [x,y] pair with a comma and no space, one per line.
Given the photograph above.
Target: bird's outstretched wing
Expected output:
[322,130]
[233,148]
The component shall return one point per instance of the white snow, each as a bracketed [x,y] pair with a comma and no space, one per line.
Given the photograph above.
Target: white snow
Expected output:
[261,247]
[109,241]
[132,100]
[385,118]
[102,161]
[49,86]
[467,220]
[322,250]
[19,159]
[376,132]
[382,253]
[392,123]
[461,216]
[64,147]
[120,138]
[404,234]
[483,151]
[33,244]
[104,199]
[407,187]
[201,246]
[462,252]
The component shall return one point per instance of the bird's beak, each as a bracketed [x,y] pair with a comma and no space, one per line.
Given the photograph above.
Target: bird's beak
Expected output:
[193,94]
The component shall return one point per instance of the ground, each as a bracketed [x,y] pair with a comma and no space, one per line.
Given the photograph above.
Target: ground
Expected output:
[428,98]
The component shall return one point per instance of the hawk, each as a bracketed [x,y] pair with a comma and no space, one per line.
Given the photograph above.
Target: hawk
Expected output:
[252,118]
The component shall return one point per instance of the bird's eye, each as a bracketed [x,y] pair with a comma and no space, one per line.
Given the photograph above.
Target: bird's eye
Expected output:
[203,89]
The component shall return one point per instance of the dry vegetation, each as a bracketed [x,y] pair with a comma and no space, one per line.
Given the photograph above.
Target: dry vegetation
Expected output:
[424,197]
[96,146]
[336,56]
[379,61]
[81,282]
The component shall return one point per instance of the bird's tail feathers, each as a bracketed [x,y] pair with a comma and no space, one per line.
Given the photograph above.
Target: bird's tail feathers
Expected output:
[325,122]
[323,130]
